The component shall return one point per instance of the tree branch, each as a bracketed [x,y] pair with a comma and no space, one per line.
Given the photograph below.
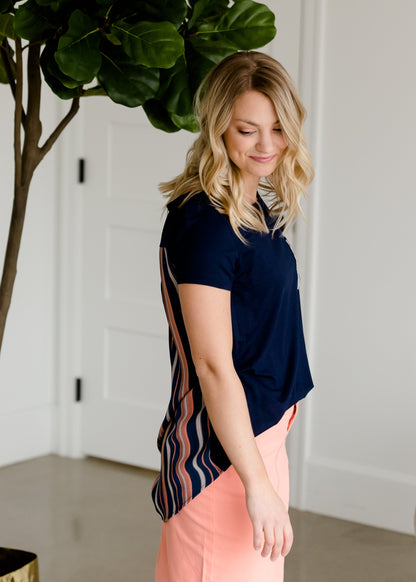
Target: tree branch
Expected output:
[33,85]
[33,126]
[18,114]
[40,41]
[6,57]
[59,128]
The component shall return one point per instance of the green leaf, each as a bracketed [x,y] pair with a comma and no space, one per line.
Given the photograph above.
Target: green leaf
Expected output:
[53,5]
[6,26]
[204,9]
[202,55]
[78,55]
[179,84]
[99,8]
[188,122]
[246,25]
[61,85]
[5,5]
[159,117]
[62,8]
[96,91]
[124,82]
[33,22]
[3,74]
[152,44]
[175,92]
[113,39]
[70,5]
[119,9]
[161,10]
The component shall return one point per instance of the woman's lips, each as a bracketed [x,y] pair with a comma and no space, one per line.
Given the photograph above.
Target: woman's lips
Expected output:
[263,160]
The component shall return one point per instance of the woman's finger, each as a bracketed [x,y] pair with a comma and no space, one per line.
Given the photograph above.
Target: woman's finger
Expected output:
[257,536]
[269,541]
[277,548]
[288,540]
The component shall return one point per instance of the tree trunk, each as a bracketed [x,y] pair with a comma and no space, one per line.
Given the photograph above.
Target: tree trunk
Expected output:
[26,159]
[24,168]
[12,252]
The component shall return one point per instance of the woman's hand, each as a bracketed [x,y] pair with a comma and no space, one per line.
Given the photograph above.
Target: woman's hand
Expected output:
[272,530]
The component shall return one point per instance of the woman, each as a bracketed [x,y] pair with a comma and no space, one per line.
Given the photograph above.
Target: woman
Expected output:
[239,366]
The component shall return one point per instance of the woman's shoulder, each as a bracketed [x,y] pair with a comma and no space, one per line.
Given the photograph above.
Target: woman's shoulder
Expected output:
[197,205]
[198,212]
[200,243]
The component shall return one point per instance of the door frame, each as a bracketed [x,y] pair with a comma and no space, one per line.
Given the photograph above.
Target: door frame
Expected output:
[306,232]
[70,219]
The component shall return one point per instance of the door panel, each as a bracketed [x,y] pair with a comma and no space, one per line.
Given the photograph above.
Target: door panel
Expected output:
[125,348]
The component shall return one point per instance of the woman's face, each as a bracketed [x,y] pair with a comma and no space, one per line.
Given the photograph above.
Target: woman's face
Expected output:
[254,140]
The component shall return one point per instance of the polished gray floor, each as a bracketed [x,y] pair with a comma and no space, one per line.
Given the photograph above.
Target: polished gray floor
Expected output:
[91,520]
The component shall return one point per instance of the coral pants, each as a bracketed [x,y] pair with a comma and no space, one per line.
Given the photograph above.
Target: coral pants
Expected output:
[211,538]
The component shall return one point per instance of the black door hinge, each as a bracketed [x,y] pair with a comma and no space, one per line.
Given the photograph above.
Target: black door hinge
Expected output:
[78,390]
[81,170]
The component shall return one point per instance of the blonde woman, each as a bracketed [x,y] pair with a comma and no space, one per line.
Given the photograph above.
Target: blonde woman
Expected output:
[239,365]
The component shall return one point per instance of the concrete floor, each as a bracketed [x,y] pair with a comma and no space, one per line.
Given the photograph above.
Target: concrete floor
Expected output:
[92,520]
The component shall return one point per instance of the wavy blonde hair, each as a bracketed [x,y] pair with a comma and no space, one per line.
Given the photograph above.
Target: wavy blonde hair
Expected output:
[208,167]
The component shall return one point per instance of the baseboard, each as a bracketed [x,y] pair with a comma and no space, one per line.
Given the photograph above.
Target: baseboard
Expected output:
[25,434]
[365,495]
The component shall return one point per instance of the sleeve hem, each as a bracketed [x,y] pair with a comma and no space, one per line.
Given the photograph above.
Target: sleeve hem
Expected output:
[216,284]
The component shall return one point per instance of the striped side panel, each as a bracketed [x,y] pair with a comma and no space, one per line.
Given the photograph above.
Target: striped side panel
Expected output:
[184,438]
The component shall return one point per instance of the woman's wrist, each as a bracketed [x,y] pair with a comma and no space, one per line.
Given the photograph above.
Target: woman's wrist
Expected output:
[256,481]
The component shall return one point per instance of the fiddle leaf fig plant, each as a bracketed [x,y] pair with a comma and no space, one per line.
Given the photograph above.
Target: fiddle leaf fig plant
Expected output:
[150,53]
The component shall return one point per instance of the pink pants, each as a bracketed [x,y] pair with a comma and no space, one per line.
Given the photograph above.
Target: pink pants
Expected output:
[211,538]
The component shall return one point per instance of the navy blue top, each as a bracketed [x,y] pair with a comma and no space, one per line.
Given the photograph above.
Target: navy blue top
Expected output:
[199,246]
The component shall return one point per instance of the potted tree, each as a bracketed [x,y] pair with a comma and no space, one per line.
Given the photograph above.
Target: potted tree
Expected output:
[149,53]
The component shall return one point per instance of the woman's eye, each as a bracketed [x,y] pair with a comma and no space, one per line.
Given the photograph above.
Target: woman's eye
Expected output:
[245,132]
[278,129]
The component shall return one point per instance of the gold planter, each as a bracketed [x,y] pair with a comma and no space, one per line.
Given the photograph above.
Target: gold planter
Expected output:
[18,566]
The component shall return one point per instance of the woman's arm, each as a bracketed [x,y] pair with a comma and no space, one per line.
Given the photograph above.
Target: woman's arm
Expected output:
[207,316]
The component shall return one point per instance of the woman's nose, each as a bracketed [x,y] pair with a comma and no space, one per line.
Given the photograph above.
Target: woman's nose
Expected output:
[265,142]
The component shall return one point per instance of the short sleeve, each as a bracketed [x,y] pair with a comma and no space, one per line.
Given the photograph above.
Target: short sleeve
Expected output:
[206,253]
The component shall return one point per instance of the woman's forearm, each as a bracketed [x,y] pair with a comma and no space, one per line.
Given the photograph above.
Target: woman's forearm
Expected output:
[207,317]
[228,412]
[227,409]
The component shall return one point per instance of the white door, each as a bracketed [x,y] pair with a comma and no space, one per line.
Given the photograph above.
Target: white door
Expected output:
[126,372]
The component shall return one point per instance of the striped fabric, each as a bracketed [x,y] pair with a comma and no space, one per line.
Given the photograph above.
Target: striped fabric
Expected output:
[185,437]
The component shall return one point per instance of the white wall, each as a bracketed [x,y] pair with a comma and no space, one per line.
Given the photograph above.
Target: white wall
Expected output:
[27,363]
[286,46]
[360,444]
